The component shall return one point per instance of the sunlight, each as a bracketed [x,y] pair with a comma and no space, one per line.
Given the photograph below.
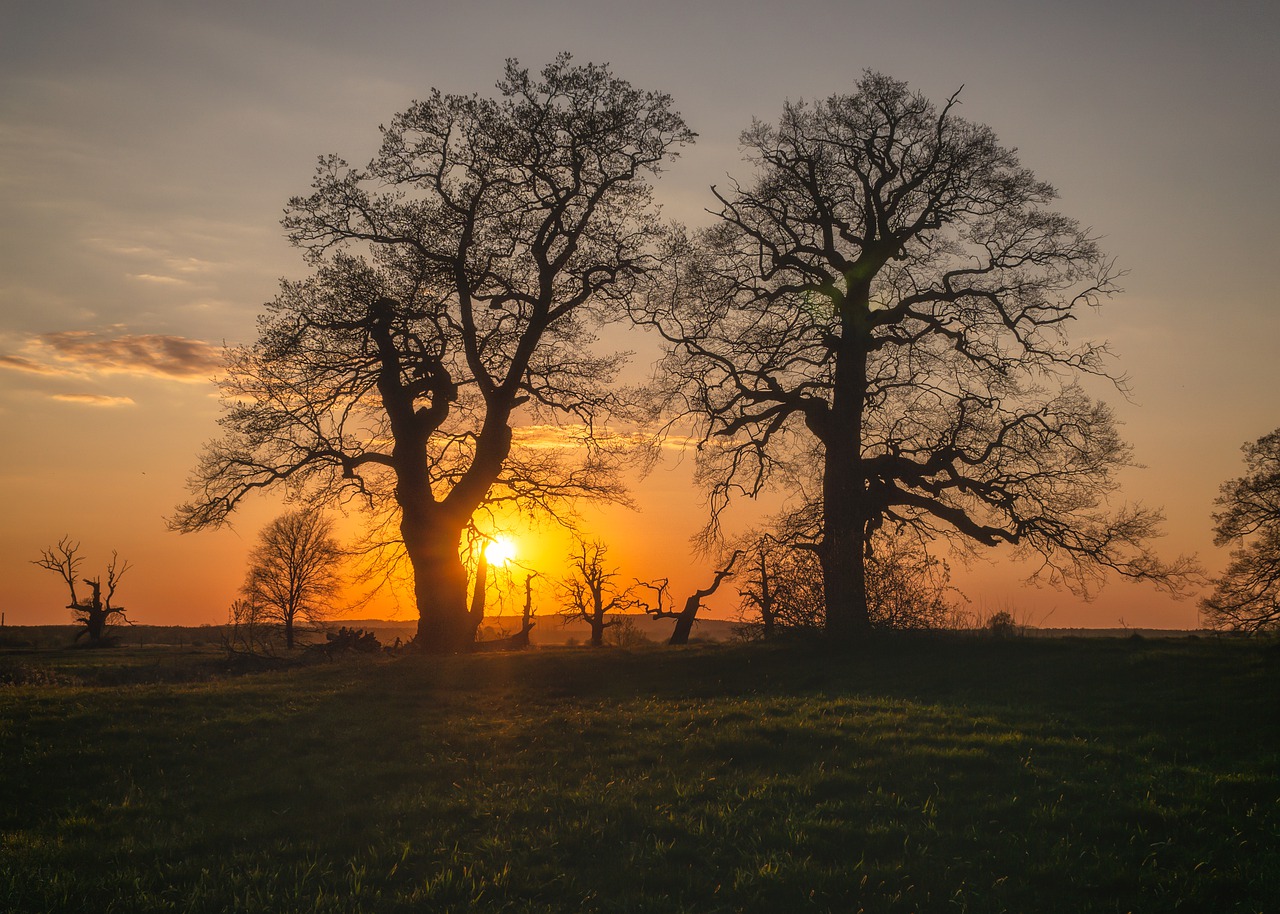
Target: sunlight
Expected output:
[500,551]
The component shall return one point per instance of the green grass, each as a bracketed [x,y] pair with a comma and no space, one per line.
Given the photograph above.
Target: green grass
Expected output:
[910,775]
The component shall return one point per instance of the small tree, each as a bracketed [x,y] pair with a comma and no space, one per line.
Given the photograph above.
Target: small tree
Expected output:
[782,581]
[95,612]
[294,571]
[1247,595]
[688,614]
[247,632]
[781,584]
[592,592]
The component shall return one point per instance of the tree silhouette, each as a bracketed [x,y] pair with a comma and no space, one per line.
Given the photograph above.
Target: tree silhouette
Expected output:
[1247,595]
[782,583]
[882,308]
[687,615]
[459,278]
[591,591]
[295,570]
[95,612]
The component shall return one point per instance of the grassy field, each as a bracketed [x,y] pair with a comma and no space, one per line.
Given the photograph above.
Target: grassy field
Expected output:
[911,775]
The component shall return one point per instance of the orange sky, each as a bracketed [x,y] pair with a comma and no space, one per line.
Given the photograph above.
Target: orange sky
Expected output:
[146,153]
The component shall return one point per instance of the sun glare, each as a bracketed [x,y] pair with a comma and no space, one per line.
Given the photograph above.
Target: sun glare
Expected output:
[499,551]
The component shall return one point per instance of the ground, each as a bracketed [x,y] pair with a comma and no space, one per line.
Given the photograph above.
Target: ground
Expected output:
[914,774]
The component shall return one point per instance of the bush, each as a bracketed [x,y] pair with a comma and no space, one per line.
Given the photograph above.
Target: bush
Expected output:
[354,640]
[1002,625]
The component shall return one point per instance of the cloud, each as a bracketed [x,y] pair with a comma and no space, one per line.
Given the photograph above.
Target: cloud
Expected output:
[18,363]
[575,435]
[94,399]
[164,280]
[77,353]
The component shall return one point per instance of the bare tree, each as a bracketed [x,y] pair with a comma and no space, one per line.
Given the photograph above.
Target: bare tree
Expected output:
[883,307]
[518,640]
[248,632]
[1247,595]
[782,583]
[295,571]
[95,612]
[591,590]
[459,278]
[687,615]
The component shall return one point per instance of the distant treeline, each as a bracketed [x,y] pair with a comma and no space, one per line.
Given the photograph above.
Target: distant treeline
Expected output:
[550,630]
[56,636]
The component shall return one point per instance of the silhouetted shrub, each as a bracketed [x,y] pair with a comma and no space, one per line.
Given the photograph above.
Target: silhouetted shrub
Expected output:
[355,640]
[1002,625]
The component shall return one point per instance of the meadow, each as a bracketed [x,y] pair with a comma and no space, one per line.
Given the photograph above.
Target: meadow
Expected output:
[912,774]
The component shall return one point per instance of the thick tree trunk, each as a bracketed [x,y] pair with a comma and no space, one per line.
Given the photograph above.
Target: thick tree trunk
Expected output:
[95,615]
[445,623]
[684,625]
[597,631]
[844,488]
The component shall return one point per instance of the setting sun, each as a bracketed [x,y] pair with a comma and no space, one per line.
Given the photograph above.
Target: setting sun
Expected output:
[500,551]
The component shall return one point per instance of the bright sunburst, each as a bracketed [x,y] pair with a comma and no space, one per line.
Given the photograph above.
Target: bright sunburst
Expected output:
[500,550]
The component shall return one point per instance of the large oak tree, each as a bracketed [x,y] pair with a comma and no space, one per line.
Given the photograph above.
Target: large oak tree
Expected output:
[879,315]
[459,281]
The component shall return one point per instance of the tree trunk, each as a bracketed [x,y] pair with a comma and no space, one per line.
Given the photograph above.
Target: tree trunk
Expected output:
[684,625]
[844,488]
[95,617]
[687,616]
[479,592]
[445,624]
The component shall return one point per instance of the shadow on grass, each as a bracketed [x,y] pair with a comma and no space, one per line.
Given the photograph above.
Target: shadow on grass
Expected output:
[910,774]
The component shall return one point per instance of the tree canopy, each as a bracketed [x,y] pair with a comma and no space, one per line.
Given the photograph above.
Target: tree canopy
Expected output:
[459,277]
[877,321]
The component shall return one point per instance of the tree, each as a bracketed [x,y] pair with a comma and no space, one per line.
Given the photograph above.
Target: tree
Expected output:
[1247,595]
[591,590]
[687,615]
[295,570]
[247,631]
[887,300]
[782,584]
[95,612]
[459,281]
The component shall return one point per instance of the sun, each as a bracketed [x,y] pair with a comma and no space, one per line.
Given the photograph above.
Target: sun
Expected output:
[500,551]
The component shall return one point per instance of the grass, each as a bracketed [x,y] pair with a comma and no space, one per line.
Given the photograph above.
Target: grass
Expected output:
[910,775]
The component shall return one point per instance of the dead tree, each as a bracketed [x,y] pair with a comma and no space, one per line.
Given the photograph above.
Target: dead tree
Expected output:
[95,612]
[689,614]
[591,592]
[519,640]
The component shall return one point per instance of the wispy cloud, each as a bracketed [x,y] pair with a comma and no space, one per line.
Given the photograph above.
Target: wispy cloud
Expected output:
[93,399]
[162,280]
[575,435]
[18,363]
[76,353]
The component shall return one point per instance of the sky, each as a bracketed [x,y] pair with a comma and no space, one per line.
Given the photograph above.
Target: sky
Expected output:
[147,150]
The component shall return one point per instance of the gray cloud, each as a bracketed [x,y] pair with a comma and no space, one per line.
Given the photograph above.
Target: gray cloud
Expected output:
[80,352]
